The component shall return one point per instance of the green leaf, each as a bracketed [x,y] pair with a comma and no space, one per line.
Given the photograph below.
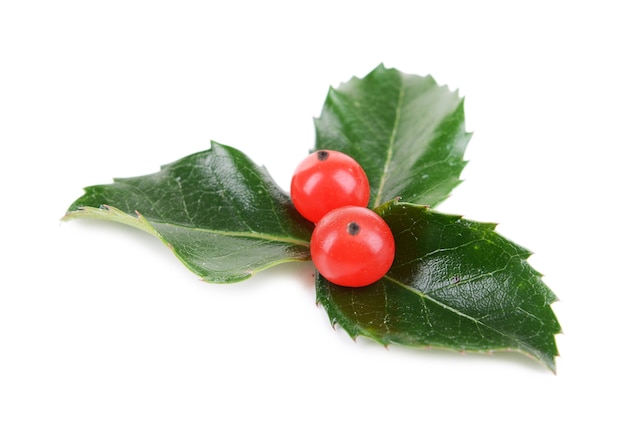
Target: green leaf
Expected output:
[223,216]
[454,284]
[407,132]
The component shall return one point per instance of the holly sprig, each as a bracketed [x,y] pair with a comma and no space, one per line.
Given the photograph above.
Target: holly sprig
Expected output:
[454,283]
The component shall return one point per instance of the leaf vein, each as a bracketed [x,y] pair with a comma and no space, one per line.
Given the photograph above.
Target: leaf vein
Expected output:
[240,234]
[457,312]
[390,149]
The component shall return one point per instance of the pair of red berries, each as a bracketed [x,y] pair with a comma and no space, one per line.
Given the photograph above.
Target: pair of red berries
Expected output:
[351,245]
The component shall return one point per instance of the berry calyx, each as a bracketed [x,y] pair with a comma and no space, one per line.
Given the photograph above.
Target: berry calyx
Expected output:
[352,246]
[326,180]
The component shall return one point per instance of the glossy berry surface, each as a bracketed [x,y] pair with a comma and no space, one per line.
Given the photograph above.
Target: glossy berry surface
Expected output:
[326,180]
[352,246]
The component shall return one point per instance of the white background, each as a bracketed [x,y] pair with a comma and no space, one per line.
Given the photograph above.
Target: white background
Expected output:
[102,330]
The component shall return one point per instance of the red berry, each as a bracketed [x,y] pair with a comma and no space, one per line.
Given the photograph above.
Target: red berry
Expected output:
[326,180]
[352,246]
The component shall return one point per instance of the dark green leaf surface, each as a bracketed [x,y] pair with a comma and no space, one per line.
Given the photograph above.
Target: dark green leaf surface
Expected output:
[407,132]
[454,284]
[223,216]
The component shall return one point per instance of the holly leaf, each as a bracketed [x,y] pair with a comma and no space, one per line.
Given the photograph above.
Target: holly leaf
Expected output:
[407,132]
[223,216]
[454,284]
